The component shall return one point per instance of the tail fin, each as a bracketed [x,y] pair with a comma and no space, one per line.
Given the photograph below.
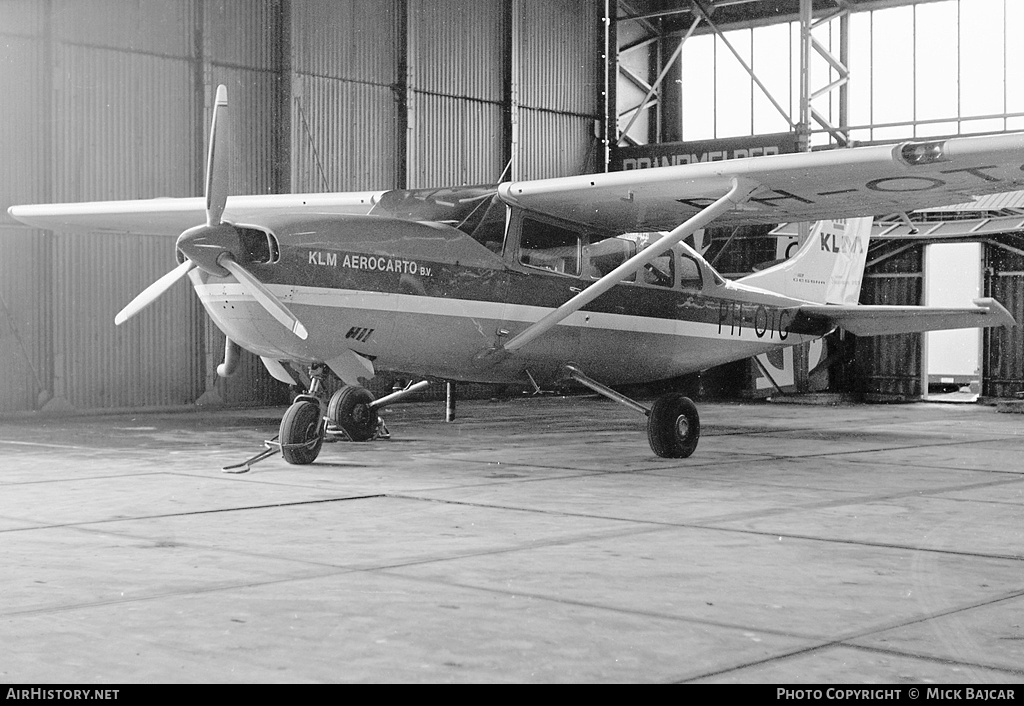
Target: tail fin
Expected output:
[827,269]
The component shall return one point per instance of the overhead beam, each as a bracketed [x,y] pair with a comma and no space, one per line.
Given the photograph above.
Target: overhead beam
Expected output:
[661,76]
[742,14]
[809,46]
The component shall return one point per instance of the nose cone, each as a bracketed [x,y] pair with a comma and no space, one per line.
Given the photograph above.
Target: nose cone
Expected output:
[205,245]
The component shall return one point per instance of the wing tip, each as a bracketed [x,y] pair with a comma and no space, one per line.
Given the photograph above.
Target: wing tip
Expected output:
[994,308]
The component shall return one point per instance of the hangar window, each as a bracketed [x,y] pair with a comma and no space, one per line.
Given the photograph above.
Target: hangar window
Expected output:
[549,247]
[260,246]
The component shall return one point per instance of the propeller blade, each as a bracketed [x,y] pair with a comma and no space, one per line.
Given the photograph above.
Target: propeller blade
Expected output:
[264,296]
[217,161]
[148,295]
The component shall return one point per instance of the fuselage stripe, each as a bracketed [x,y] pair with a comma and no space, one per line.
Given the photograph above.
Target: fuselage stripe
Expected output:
[474,309]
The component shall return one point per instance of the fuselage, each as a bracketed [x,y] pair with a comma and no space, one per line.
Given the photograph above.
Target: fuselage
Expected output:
[433,299]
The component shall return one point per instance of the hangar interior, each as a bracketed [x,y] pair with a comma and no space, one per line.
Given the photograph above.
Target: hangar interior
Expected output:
[696,81]
[112,100]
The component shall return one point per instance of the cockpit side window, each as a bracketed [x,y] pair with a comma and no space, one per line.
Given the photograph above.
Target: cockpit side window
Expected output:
[490,230]
[689,273]
[661,271]
[603,256]
[550,247]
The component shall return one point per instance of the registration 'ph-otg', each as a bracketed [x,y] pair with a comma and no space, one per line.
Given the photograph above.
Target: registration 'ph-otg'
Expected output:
[62,694]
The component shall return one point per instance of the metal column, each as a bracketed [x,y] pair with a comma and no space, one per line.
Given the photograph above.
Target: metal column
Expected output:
[809,46]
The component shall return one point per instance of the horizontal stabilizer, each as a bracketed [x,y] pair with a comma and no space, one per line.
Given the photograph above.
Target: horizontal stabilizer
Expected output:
[870,320]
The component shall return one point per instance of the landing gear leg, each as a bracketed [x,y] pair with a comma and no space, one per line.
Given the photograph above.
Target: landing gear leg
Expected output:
[305,425]
[673,424]
[302,427]
[302,430]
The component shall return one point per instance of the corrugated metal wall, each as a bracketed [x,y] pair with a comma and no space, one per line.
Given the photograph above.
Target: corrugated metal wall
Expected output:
[453,141]
[1003,372]
[345,132]
[559,87]
[889,367]
[25,338]
[456,68]
[25,304]
[344,135]
[121,112]
[106,99]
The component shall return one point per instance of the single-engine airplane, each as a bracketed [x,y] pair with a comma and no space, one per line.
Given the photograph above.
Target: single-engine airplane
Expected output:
[538,282]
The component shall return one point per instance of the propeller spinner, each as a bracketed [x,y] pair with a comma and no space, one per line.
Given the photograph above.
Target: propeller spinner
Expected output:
[214,246]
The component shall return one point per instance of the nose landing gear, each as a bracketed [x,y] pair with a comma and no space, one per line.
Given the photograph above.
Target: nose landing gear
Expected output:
[350,414]
[302,432]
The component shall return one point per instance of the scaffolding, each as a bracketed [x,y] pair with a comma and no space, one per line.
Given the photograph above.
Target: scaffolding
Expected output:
[820,98]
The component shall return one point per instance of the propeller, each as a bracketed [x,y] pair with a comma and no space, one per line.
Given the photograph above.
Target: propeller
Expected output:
[260,293]
[148,295]
[216,246]
[217,163]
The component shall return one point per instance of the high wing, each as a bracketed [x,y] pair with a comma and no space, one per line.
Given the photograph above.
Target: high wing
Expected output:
[861,181]
[171,216]
[843,183]
[873,320]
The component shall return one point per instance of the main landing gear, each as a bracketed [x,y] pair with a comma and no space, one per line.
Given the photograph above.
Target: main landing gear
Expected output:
[673,425]
[350,414]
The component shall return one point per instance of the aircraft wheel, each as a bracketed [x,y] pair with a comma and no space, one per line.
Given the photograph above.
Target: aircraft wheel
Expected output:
[673,428]
[350,410]
[301,434]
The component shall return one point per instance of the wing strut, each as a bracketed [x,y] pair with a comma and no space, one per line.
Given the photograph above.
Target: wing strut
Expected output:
[739,193]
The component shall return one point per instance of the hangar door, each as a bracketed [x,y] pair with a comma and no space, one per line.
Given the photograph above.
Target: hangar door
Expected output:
[952,277]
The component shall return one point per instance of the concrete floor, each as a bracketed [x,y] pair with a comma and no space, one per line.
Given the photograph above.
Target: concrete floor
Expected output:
[533,540]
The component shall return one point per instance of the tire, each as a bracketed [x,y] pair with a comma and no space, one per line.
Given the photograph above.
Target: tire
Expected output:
[350,411]
[300,425]
[673,427]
